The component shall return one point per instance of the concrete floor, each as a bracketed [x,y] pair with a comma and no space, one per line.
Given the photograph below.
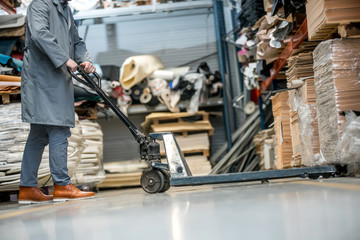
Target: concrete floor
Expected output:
[282,209]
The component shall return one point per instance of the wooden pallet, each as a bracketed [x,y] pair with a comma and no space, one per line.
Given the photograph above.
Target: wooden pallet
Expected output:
[114,180]
[6,93]
[349,30]
[184,128]
[193,144]
[165,117]
[123,174]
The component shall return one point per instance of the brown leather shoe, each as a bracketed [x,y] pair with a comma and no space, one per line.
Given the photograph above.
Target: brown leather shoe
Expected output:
[29,195]
[70,192]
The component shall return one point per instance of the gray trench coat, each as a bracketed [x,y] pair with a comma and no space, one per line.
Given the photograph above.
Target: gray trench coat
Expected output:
[47,94]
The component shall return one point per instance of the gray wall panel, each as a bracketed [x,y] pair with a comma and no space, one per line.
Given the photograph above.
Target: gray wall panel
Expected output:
[176,40]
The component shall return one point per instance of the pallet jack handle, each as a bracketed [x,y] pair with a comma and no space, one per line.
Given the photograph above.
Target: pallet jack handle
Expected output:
[83,77]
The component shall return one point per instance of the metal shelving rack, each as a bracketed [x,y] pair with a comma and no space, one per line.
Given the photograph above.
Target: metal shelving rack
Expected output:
[294,43]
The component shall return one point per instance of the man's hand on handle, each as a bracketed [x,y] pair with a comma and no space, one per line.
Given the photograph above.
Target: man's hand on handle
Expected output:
[88,66]
[71,64]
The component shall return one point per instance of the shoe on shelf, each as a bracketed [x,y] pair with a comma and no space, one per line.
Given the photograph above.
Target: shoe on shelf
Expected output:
[28,195]
[70,192]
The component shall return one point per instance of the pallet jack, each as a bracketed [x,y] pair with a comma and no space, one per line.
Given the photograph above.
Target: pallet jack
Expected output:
[159,177]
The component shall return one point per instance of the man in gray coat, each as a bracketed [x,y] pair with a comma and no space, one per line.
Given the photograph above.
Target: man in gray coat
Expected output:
[52,46]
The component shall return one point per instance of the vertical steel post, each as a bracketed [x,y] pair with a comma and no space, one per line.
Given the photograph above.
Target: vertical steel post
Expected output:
[219,29]
[262,117]
[238,64]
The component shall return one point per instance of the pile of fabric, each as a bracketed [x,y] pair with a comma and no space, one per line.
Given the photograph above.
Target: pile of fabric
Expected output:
[13,136]
[264,33]
[145,80]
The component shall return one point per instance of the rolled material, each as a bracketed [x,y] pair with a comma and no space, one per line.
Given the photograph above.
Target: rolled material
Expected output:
[135,69]
[138,89]
[165,98]
[157,86]
[126,92]
[163,74]
[115,84]
[148,99]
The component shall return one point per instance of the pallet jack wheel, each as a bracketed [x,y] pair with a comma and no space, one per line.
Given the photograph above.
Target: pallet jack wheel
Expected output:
[327,175]
[152,181]
[314,176]
[167,181]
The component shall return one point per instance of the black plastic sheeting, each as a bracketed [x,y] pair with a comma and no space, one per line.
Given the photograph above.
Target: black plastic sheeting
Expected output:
[251,11]
[290,6]
[110,72]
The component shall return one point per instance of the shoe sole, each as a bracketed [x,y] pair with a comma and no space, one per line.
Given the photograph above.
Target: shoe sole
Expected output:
[71,199]
[33,202]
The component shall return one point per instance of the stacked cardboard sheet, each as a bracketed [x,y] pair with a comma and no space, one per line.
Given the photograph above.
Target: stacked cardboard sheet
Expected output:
[281,112]
[264,146]
[294,129]
[300,67]
[305,106]
[337,88]
[323,16]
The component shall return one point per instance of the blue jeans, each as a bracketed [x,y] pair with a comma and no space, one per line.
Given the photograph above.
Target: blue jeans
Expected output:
[40,136]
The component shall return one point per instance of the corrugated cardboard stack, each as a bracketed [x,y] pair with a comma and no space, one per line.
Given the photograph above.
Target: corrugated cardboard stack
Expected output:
[324,16]
[305,105]
[303,122]
[294,129]
[264,145]
[300,67]
[281,112]
[337,88]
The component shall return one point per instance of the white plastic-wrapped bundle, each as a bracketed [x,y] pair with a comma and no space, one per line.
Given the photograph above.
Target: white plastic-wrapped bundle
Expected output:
[90,169]
[13,136]
[337,87]
[348,148]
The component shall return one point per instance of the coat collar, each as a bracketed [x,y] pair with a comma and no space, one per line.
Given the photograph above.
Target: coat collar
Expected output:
[60,9]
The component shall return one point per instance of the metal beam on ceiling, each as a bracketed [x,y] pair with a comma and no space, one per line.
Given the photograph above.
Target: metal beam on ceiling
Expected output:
[165,8]
[141,17]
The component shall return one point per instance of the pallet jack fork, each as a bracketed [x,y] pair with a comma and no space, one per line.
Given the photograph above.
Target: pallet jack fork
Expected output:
[159,177]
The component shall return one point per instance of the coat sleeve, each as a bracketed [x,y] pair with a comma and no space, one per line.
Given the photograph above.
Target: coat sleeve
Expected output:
[81,53]
[38,16]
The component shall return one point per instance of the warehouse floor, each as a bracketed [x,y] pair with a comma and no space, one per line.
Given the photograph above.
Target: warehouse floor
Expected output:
[282,209]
